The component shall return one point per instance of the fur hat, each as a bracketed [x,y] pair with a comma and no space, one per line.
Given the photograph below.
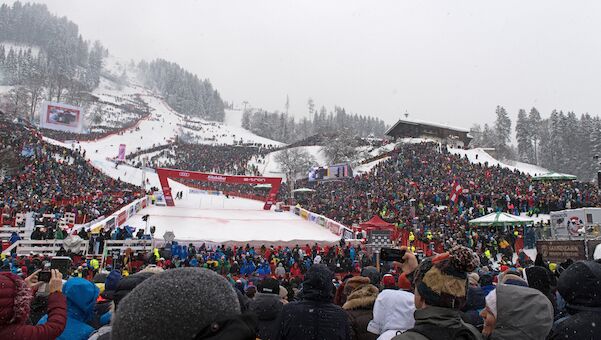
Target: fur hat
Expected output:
[175,304]
[362,297]
[442,280]
[354,282]
[473,278]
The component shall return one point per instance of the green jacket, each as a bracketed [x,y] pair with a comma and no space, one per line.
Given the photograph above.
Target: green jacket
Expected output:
[437,318]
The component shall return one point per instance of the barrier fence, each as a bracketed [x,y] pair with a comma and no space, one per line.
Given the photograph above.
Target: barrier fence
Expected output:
[324,222]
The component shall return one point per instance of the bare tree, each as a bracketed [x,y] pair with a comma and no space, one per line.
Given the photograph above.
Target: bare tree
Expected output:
[294,162]
[341,148]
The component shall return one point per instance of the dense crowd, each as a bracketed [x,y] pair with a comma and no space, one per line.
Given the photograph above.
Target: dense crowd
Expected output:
[48,179]
[413,189]
[189,294]
[221,159]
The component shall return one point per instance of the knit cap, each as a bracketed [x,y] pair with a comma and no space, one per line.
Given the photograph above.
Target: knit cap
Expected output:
[388,281]
[442,280]
[269,286]
[175,304]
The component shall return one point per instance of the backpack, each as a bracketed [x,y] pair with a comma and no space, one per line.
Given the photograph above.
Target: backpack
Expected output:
[438,333]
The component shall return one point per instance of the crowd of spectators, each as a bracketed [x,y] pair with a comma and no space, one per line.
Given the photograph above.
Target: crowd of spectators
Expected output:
[188,292]
[48,179]
[221,159]
[413,189]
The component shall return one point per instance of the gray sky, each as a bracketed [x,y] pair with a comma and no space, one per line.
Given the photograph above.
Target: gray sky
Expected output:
[445,61]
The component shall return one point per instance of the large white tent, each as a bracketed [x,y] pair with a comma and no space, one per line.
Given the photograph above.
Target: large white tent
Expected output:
[500,219]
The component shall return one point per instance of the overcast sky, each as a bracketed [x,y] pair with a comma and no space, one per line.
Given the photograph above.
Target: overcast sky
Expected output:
[444,61]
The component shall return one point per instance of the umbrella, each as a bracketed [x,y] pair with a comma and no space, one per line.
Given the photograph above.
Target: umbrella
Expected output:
[499,219]
[554,176]
[169,236]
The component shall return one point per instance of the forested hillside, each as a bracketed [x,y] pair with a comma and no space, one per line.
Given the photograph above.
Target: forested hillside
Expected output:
[285,128]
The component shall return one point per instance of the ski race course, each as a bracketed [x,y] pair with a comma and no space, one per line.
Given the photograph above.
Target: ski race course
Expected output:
[196,217]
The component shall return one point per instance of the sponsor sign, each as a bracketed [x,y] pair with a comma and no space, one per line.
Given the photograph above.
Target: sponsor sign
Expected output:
[138,206]
[347,234]
[110,223]
[321,221]
[121,155]
[216,178]
[559,251]
[121,218]
[255,180]
[131,211]
[304,214]
[184,174]
[62,117]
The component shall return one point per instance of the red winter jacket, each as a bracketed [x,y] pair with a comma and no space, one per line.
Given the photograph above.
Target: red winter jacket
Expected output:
[15,298]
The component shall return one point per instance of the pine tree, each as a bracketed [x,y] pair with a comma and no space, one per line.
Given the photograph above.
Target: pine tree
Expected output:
[535,126]
[502,132]
[523,136]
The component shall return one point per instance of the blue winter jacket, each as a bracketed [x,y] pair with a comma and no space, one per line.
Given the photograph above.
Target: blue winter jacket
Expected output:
[81,298]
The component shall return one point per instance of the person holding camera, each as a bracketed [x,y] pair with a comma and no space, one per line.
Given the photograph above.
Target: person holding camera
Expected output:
[15,301]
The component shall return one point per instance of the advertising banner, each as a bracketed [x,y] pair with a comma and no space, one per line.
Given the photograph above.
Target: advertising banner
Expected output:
[138,206]
[304,214]
[121,155]
[559,251]
[110,223]
[61,117]
[131,211]
[121,218]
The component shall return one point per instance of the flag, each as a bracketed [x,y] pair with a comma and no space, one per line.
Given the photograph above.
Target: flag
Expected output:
[456,190]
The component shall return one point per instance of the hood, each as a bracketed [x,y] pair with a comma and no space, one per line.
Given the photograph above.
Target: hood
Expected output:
[318,284]
[393,310]
[81,298]
[372,273]
[362,297]
[266,306]
[579,284]
[522,313]
[15,299]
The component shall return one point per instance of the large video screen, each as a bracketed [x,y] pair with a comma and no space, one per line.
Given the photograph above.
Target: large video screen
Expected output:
[331,172]
[62,117]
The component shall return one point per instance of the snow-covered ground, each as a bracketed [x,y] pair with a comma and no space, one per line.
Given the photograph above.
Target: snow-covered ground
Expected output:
[201,217]
[479,155]
[271,168]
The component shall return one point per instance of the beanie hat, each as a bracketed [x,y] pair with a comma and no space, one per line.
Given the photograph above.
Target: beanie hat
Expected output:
[175,304]
[473,278]
[372,273]
[579,285]
[269,286]
[128,284]
[442,280]
[112,280]
[388,281]
[491,302]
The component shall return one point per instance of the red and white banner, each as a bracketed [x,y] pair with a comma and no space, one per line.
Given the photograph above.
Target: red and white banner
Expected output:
[62,117]
[121,155]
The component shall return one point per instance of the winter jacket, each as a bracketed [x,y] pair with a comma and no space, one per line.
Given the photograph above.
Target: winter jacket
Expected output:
[393,312]
[267,308]
[473,306]
[15,296]
[314,316]
[81,298]
[440,321]
[522,313]
[359,307]
[579,286]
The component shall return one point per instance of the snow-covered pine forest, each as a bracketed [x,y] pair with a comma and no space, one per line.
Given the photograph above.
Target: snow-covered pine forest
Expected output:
[562,142]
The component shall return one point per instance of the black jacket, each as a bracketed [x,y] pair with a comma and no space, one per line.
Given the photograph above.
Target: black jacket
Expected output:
[314,317]
[267,308]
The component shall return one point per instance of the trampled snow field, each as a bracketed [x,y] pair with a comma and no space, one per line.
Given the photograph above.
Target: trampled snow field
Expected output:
[202,217]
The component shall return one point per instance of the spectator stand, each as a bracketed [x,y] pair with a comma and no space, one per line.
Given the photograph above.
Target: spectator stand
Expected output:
[41,247]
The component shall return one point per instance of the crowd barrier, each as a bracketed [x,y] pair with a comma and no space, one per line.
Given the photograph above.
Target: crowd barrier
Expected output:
[324,222]
[119,217]
[41,247]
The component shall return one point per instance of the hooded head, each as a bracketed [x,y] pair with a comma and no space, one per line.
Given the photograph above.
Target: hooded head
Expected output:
[579,285]
[15,299]
[393,311]
[81,297]
[442,281]
[372,273]
[175,304]
[520,313]
[318,284]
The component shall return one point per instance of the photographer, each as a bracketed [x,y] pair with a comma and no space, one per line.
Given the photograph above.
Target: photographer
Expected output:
[15,299]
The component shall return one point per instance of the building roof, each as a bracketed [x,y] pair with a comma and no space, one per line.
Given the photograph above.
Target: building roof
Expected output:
[429,124]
